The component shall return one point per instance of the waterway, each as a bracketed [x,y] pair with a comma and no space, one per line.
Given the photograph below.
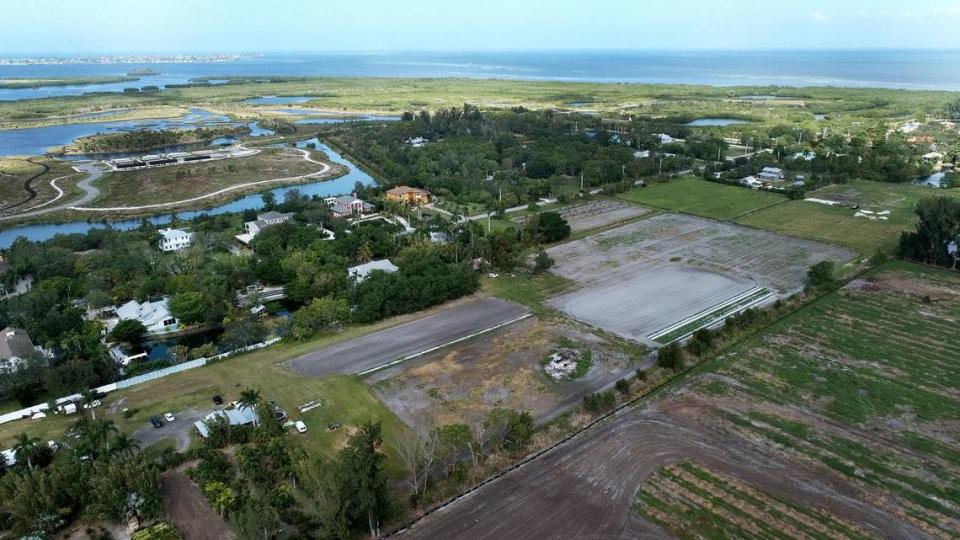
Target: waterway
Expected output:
[36,141]
[929,69]
[715,122]
[327,188]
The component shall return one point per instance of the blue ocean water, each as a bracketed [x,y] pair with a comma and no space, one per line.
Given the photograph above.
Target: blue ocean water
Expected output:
[910,69]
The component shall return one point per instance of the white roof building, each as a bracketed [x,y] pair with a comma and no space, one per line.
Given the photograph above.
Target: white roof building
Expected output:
[771,174]
[241,416]
[361,271]
[174,239]
[155,316]
[263,221]
[663,137]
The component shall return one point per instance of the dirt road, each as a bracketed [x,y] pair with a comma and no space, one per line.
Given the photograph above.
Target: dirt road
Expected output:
[188,509]
[587,487]
[379,348]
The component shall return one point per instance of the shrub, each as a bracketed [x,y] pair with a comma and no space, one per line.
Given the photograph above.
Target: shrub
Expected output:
[623,386]
[670,357]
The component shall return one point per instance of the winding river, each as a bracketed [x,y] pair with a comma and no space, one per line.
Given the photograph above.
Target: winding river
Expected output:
[337,186]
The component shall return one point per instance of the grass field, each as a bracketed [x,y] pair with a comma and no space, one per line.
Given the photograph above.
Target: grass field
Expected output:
[169,184]
[702,198]
[383,95]
[862,388]
[838,224]
[346,400]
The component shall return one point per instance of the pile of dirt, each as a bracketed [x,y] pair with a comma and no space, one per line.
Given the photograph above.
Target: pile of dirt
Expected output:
[562,363]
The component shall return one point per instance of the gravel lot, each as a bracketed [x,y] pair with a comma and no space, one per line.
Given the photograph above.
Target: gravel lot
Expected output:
[644,276]
[181,429]
[379,348]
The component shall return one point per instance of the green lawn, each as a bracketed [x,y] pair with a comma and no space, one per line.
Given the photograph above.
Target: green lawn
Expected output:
[838,225]
[346,400]
[702,198]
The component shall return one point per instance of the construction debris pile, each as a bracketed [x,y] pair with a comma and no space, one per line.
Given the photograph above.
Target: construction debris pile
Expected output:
[561,364]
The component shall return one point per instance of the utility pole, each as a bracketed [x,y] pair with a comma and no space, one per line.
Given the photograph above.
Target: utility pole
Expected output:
[660,169]
[581,181]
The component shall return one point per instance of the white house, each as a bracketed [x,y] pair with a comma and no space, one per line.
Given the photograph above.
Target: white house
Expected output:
[263,221]
[663,137]
[641,154]
[771,174]
[360,272]
[806,156]
[155,316]
[241,416]
[174,240]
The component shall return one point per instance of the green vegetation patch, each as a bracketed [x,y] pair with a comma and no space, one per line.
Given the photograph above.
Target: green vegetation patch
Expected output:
[699,197]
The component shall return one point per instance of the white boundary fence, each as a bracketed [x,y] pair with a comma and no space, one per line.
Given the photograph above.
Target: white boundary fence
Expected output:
[133,381]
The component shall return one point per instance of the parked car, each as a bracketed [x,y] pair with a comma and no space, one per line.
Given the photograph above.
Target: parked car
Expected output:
[169,417]
[217,400]
[301,427]
[156,422]
[93,404]
[333,426]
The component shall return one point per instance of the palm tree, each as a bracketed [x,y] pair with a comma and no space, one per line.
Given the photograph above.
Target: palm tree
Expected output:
[249,398]
[88,397]
[125,445]
[98,435]
[27,449]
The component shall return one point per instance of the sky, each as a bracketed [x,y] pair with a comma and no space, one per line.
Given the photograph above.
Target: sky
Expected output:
[76,27]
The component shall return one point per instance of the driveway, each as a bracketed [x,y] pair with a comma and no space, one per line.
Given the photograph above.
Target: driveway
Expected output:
[180,430]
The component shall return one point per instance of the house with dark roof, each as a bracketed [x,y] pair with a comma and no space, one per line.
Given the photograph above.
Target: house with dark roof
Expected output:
[346,206]
[15,348]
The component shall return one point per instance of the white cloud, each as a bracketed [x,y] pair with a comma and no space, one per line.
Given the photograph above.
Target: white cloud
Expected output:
[819,16]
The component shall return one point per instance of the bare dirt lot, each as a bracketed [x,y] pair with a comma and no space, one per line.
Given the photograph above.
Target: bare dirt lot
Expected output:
[188,508]
[839,421]
[596,214]
[588,487]
[463,383]
[379,348]
[639,278]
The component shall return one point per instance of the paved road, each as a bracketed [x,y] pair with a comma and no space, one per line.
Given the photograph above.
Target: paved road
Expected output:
[379,348]
[90,193]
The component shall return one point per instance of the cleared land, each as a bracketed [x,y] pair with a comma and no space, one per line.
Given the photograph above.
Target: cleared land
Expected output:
[595,214]
[702,198]
[839,421]
[838,225]
[640,278]
[170,184]
[189,510]
[374,350]
[461,384]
